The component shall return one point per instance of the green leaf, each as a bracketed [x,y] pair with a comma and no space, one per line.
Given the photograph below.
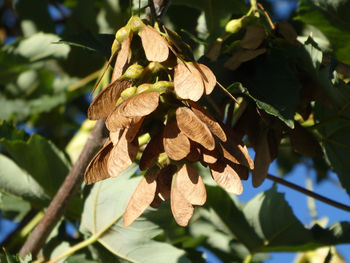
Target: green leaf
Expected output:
[41,159]
[332,18]
[267,223]
[103,211]
[13,208]
[334,129]
[17,182]
[34,17]
[99,43]
[217,13]
[275,223]
[273,85]
[226,208]
[40,46]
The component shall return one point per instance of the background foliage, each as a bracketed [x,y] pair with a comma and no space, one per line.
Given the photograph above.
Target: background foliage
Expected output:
[44,98]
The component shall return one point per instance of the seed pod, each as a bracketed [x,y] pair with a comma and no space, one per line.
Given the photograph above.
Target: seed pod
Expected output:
[141,105]
[210,157]
[176,144]
[116,121]
[133,72]
[133,130]
[288,32]
[234,25]
[128,93]
[104,103]
[214,50]
[122,156]
[192,186]
[262,160]
[164,180]
[155,46]
[235,150]
[115,136]
[97,168]
[136,24]
[122,58]
[181,208]
[253,37]
[304,142]
[194,128]
[226,177]
[152,150]
[195,153]
[142,197]
[205,117]
[208,77]
[188,82]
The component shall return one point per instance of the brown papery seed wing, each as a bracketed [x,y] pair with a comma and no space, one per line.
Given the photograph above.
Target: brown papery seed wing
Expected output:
[235,150]
[155,46]
[226,177]
[121,62]
[122,156]
[188,83]
[164,180]
[191,185]
[253,37]
[262,160]
[140,105]
[176,144]
[97,168]
[194,128]
[181,208]
[195,154]
[142,197]
[104,103]
[208,77]
[133,130]
[210,156]
[152,150]
[205,117]
[242,171]
[114,136]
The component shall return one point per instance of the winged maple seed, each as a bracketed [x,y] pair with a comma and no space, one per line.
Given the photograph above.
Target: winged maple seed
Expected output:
[154,96]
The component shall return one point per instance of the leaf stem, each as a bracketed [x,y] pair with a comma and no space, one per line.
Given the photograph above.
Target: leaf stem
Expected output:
[248,258]
[309,193]
[86,242]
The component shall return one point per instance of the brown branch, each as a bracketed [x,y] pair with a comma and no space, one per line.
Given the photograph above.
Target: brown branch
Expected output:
[65,194]
[309,193]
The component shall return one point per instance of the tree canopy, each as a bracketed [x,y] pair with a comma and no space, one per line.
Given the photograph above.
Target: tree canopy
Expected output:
[164,108]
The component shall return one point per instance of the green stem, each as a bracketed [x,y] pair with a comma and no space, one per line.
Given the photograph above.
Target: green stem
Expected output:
[248,258]
[86,242]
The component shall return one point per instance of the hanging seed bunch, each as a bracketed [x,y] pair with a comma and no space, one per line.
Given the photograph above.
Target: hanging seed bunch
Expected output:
[155,97]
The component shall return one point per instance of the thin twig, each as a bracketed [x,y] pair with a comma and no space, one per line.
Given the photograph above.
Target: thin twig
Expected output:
[64,195]
[227,93]
[309,193]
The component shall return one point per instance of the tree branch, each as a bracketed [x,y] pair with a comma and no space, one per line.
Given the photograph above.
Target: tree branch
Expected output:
[309,193]
[65,194]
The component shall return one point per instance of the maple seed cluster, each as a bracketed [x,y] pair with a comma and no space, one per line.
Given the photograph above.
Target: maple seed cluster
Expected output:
[154,96]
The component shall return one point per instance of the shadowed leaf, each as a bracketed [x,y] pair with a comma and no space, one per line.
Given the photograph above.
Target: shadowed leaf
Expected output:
[262,160]
[253,37]
[152,150]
